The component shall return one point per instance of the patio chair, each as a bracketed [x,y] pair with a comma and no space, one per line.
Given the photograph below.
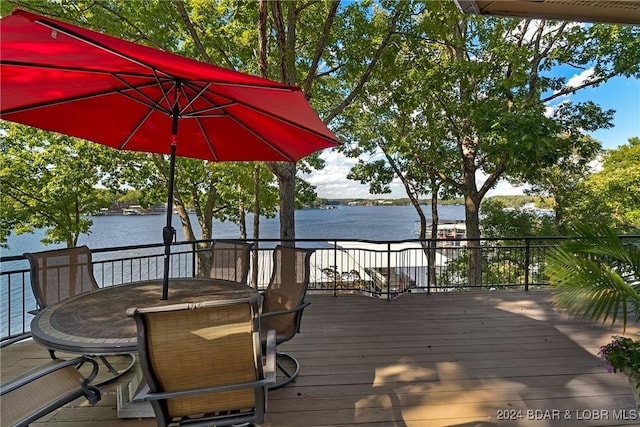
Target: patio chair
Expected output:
[230,260]
[63,273]
[283,304]
[45,389]
[203,362]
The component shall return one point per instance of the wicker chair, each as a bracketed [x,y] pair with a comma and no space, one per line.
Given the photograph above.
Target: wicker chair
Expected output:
[63,273]
[230,260]
[283,304]
[203,362]
[45,389]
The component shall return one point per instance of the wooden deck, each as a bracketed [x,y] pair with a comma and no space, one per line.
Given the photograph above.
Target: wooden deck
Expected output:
[460,359]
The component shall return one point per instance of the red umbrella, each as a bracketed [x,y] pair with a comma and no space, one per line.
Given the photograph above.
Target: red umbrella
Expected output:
[67,79]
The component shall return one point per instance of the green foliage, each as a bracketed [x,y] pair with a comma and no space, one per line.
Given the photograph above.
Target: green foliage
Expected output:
[376,173]
[470,95]
[597,275]
[415,89]
[498,221]
[49,181]
[618,185]
[222,32]
[305,194]
[563,179]
[610,196]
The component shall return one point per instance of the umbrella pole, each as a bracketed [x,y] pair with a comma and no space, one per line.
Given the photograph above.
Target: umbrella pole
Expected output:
[168,232]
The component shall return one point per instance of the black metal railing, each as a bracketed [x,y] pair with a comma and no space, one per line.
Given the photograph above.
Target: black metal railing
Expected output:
[372,268]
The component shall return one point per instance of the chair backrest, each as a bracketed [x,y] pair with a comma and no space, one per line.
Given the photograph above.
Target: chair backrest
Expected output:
[201,346]
[286,291]
[46,388]
[61,273]
[230,260]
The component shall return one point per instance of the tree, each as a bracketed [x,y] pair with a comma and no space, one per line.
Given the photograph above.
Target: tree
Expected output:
[313,44]
[210,190]
[609,196]
[486,85]
[618,185]
[48,181]
[304,43]
[562,179]
[497,221]
[510,261]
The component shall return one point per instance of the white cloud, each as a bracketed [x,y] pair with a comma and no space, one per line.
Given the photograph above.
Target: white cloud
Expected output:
[582,78]
[573,82]
[332,183]
[548,111]
[503,188]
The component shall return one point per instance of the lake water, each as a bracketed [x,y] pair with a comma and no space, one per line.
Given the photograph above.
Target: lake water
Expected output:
[343,222]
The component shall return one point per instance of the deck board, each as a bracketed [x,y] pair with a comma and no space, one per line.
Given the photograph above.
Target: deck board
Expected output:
[422,360]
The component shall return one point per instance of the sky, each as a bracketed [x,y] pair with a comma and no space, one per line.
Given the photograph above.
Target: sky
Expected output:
[619,94]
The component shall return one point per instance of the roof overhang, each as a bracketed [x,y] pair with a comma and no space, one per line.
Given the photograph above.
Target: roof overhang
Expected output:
[609,11]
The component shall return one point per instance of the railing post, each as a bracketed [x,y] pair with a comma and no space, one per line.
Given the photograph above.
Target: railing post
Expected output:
[335,267]
[431,247]
[527,263]
[388,271]
[194,254]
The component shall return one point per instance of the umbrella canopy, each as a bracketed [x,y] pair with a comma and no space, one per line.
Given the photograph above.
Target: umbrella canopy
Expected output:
[71,80]
[67,79]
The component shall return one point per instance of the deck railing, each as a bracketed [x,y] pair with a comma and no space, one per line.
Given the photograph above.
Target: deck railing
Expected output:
[377,269]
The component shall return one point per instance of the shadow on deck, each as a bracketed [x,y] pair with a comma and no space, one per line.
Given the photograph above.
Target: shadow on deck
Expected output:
[459,359]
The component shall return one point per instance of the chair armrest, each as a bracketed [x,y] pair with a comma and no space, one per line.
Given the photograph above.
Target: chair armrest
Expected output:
[270,356]
[206,390]
[49,368]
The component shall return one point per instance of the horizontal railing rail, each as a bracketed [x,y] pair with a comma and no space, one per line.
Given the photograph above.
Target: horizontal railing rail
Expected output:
[340,266]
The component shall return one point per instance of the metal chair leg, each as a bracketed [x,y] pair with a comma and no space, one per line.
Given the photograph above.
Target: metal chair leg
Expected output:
[114,372]
[289,376]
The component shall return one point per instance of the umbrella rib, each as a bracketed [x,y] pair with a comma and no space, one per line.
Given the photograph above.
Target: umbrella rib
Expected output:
[121,91]
[209,143]
[133,132]
[234,101]
[64,68]
[164,92]
[202,112]
[199,93]
[194,98]
[257,135]
[75,35]
[74,99]
[154,104]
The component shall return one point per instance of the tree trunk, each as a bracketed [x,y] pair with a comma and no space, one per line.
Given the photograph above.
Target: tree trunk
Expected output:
[256,223]
[472,217]
[242,220]
[286,173]
[434,235]
[285,35]
[558,218]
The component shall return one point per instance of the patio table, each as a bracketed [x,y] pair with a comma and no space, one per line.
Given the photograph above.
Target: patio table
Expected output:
[96,323]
